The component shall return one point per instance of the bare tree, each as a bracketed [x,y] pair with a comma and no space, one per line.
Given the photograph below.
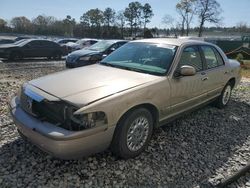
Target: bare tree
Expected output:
[186,9]
[169,21]
[242,27]
[208,11]
[21,24]
[182,16]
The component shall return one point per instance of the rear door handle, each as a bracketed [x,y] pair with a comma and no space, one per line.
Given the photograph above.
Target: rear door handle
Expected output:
[204,79]
[226,72]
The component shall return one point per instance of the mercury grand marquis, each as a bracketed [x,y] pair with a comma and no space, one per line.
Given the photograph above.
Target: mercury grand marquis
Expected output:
[118,102]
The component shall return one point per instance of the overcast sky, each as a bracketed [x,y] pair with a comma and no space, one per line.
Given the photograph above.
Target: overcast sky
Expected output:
[233,11]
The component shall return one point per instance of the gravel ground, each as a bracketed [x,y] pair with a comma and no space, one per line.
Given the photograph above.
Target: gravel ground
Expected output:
[198,150]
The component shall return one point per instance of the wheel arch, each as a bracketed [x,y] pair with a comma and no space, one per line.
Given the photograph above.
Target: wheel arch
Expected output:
[150,107]
[232,82]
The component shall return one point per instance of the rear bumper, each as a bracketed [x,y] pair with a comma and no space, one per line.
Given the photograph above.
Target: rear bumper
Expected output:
[57,141]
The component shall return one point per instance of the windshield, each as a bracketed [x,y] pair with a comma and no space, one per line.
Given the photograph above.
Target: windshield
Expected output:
[142,57]
[21,42]
[101,46]
[79,42]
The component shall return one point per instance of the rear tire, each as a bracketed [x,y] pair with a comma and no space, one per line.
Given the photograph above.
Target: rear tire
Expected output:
[224,98]
[132,133]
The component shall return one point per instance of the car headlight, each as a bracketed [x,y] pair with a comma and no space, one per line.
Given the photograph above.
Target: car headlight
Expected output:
[89,120]
[18,93]
[84,58]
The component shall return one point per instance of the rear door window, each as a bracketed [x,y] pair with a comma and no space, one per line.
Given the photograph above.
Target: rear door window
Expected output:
[34,44]
[212,60]
[219,58]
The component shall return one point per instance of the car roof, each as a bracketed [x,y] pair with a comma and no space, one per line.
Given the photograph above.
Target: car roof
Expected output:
[66,39]
[86,39]
[29,40]
[172,41]
[115,40]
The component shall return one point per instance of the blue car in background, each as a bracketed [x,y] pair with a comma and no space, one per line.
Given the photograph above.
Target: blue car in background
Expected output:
[93,54]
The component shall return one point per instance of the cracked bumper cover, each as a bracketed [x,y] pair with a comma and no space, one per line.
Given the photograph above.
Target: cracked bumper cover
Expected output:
[57,141]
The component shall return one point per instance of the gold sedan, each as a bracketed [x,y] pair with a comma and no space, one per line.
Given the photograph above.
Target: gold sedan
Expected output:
[118,102]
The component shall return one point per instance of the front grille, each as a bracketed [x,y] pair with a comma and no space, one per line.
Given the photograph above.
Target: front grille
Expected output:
[55,112]
[52,112]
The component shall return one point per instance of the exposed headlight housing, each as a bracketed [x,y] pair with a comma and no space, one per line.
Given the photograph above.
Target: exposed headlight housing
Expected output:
[89,120]
[84,58]
[63,114]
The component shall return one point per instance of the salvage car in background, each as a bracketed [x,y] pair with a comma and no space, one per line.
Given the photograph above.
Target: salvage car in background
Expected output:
[93,54]
[65,41]
[31,48]
[118,102]
[80,44]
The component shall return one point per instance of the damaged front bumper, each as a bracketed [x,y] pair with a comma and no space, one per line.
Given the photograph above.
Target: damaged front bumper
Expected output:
[57,141]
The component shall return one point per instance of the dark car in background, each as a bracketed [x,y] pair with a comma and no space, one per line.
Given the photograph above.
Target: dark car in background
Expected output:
[31,48]
[93,54]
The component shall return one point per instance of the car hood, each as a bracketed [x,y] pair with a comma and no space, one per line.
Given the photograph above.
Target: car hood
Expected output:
[85,85]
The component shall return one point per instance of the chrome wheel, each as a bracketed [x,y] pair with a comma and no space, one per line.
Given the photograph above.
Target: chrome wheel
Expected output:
[226,95]
[137,133]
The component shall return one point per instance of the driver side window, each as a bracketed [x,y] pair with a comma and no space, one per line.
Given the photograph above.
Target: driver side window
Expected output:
[191,56]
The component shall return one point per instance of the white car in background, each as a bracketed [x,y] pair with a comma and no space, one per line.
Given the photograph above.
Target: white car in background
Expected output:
[80,44]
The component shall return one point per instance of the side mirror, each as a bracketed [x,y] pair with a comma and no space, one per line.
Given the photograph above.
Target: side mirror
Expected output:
[187,70]
[104,55]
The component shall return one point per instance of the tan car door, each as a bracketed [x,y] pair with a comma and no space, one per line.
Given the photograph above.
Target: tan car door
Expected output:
[187,91]
[215,72]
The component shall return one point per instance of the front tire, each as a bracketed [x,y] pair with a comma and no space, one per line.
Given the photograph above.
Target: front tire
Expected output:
[224,98]
[57,55]
[133,133]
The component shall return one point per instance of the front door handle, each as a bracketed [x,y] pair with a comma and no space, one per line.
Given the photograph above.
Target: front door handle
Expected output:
[204,79]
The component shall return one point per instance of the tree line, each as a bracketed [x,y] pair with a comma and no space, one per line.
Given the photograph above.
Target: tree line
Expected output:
[130,22]
[95,23]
